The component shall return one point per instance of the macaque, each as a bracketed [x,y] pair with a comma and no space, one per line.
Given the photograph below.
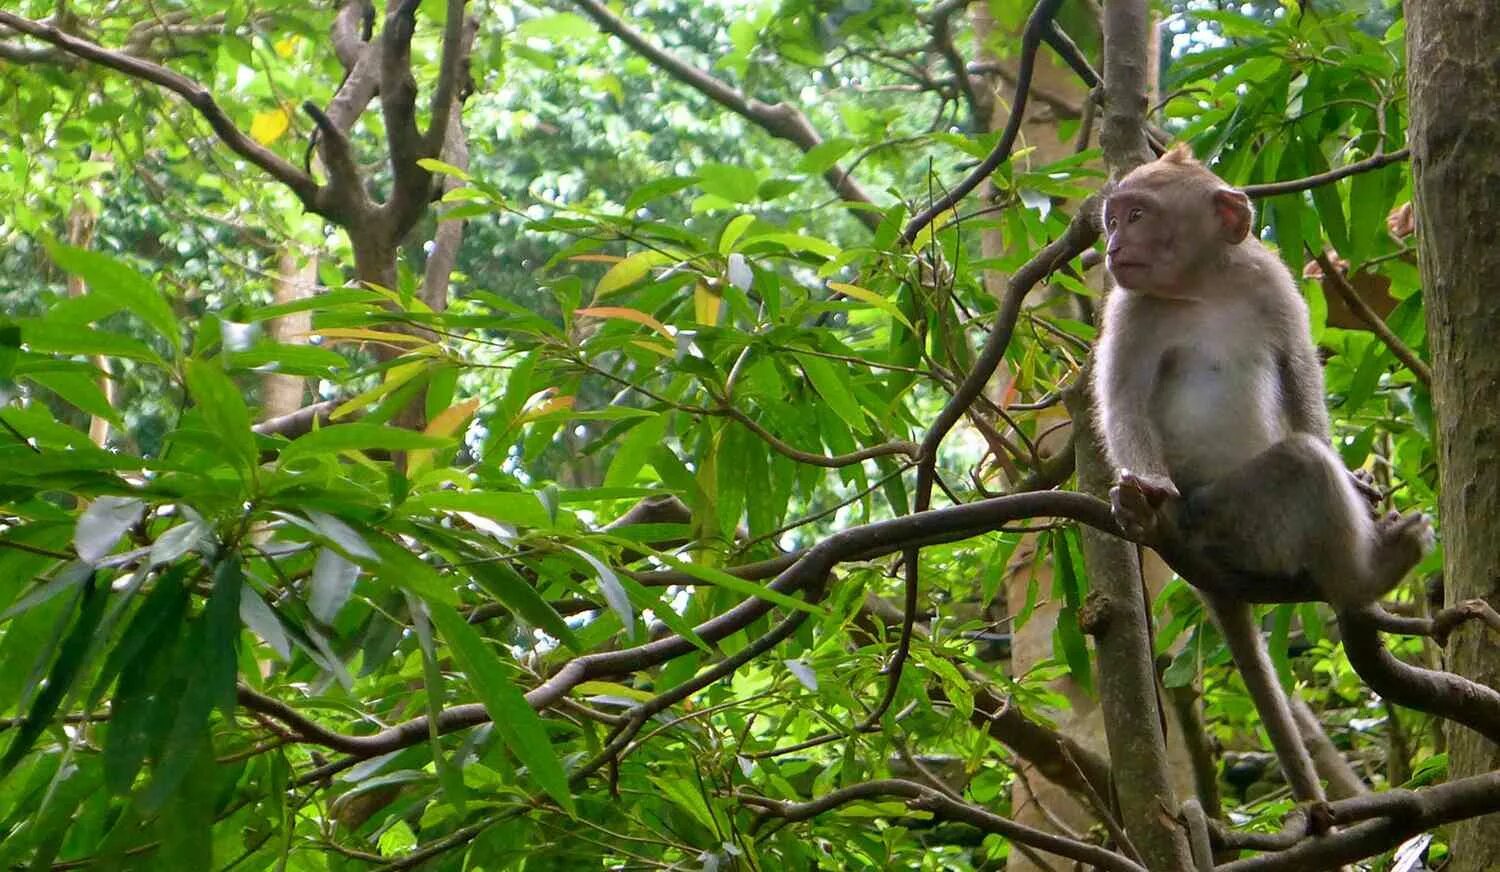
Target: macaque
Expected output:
[1210,402]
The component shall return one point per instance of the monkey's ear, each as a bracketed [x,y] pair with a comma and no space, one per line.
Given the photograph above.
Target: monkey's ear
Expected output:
[1235,214]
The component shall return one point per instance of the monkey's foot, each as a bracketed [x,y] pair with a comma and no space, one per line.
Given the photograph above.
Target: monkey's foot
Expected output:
[1138,502]
[1404,539]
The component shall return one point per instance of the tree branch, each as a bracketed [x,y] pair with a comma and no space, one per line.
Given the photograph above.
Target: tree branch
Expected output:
[924,798]
[1371,319]
[1031,38]
[940,526]
[1445,694]
[1293,186]
[195,94]
[1377,822]
[781,120]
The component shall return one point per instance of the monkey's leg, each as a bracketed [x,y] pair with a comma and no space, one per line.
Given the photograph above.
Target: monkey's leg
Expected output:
[1237,623]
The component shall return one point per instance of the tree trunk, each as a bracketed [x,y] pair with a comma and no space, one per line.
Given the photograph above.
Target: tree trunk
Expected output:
[281,394]
[1454,81]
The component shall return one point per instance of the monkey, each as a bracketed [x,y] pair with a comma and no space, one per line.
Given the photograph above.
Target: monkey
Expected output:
[1208,393]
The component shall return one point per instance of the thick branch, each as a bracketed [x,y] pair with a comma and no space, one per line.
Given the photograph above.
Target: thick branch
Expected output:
[398,101]
[458,39]
[1031,38]
[348,41]
[925,798]
[1445,694]
[297,423]
[1378,822]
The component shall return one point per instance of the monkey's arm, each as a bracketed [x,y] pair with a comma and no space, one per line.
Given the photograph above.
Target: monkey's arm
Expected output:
[1302,393]
[1302,389]
[1130,437]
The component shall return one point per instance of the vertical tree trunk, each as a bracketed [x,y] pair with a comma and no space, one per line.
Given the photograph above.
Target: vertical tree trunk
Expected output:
[81,221]
[1454,80]
[281,394]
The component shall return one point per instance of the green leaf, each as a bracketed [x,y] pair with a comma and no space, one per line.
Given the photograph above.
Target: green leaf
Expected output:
[614,593]
[657,188]
[518,725]
[208,662]
[222,405]
[81,390]
[61,338]
[734,183]
[1074,647]
[629,271]
[832,383]
[103,523]
[796,242]
[824,155]
[521,509]
[733,231]
[60,679]
[405,571]
[501,581]
[561,27]
[357,437]
[720,578]
[121,285]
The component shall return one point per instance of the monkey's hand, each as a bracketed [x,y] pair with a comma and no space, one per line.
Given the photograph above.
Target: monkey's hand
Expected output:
[1139,501]
[1364,482]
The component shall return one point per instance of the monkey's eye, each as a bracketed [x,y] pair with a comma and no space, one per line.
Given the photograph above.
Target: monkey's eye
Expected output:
[1135,215]
[1113,223]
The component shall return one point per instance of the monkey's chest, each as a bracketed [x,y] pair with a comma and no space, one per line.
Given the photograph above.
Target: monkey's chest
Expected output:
[1215,408]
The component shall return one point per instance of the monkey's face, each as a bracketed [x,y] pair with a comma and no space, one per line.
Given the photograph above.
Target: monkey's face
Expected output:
[1166,229]
[1143,241]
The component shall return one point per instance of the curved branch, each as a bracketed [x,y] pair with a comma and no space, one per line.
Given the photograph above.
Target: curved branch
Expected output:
[1031,38]
[1454,697]
[922,797]
[1440,625]
[781,120]
[885,449]
[1293,186]
[1371,319]
[194,93]
[941,526]
[348,42]
[1380,821]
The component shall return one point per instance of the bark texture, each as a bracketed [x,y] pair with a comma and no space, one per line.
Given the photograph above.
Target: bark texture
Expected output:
[1454,82]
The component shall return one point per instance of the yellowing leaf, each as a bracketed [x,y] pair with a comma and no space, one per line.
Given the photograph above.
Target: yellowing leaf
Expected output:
[448,422]
[651,345]
[706,304]
[596,258]
[285,47]
[610,688]
[267,127]
[395,377]
[628,315]
[629,271]
[855,292]
[433,165]
[546,407]
[364,334]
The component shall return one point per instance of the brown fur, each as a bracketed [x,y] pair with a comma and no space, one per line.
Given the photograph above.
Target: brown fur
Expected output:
[1210,400]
